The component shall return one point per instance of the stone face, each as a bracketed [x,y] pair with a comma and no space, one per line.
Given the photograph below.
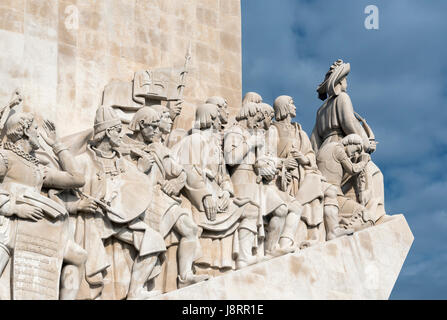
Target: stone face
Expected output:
[361,266]
[62,53]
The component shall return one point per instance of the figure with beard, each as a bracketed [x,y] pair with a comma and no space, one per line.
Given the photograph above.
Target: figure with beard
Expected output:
[165,123]
[124,253]
[167,179]
[231,225]
[25,213]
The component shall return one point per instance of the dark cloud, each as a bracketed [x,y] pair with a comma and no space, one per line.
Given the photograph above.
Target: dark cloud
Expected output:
[398,82]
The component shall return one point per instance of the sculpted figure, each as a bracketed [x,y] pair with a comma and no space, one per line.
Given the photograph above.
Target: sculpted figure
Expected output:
[242,143]
[300,177]
[123,251]
[165,123]
[336,119]
[337,159]
[34,228]
[231,225]
[222,106]
[167,179]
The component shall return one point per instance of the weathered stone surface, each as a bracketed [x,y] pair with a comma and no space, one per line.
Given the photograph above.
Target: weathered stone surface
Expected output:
[62,53]
[362,266]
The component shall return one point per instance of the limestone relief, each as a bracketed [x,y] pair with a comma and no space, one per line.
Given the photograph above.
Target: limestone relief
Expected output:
[125,211]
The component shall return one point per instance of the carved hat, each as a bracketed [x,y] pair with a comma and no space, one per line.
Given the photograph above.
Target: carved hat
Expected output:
[105,118]
[336,73]
[205,114]
[218,101]
[146,114]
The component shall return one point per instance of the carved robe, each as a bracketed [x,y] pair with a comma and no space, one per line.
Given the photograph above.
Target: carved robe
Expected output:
[202,158]
[335,120]
[113,243]
[38,247]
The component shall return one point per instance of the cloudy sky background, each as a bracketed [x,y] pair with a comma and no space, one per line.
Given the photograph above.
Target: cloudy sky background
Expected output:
[398,82]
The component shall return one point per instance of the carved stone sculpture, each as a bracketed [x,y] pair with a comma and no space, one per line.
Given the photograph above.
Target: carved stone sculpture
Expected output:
[247,171]
[300,176]
[338,159]
[336,119]
[34,227]
[231,225]
[167,179]
[123,251]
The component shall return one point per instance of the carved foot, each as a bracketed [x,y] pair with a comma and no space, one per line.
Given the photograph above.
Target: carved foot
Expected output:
[191,279]
[279,252]
[142,294]
[339,232]
[245,263]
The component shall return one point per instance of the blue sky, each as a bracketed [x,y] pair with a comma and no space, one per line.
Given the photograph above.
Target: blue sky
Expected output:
[398,82]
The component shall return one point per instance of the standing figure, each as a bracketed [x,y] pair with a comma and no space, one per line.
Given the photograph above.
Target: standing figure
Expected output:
[124,253]
[33,227]
[167,179]
[231,225]
[300,176]
[242,141]
[335,120]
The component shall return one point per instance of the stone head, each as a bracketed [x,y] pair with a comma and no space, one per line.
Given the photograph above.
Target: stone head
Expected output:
[251,115]
[23,126]
[252,97]
[222,105]
[146,122]
[284,107]
[207,117]
[353,145]
[268,114]
[165,118]
[107,127]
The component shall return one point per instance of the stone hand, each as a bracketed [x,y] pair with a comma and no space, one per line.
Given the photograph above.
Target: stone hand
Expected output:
[87,205]
[50,136]
[224,202]
[169,187]
[300,157]
[175,110]
[210,205]
[26,211]
[291,164]
[145,162]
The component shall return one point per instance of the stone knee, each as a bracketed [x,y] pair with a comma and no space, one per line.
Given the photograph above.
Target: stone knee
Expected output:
[281,211]
[75,254]
[187,228]
[330,196]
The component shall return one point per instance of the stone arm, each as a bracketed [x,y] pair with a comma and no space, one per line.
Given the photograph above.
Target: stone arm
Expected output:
[175,174]
[348,166]
[235,148]
[348,122]
[70,177]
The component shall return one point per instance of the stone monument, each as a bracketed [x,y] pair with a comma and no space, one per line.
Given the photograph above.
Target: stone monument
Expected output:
[131,167]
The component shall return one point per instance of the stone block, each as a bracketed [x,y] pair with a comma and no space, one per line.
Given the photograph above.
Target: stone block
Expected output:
[361,266]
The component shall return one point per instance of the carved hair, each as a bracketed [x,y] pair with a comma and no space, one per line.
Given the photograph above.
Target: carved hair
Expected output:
[266,108]
[281,107]
[17,124]
[352,139]
[205,115]
[147,115]
[218,101]
[252,97]
[248,110]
